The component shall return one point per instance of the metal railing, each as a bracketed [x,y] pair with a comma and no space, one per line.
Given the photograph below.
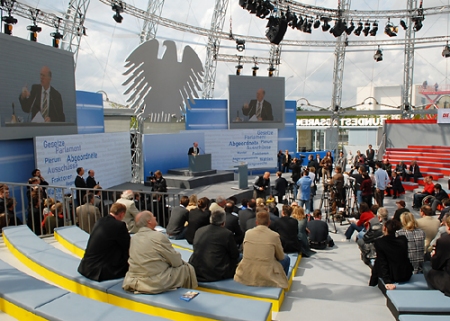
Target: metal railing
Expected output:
[42,220]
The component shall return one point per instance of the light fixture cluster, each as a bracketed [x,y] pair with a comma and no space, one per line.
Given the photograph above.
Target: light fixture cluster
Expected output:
[446,51]
[34,29]
[118,7]
[279,20]
[255,67]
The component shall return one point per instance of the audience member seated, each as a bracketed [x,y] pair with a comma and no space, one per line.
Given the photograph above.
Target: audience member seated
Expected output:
[401,208]
[127,199]
[232,222]
[364,218]
[193,202]
[155,266]
[428,223]
[441,231]
[87,213]
[392,263]
[400,169]
[298,213]
[446,208]
[273,211]
[387,167]
[264,262]
[197,218]
[375,231]
[438,197]
[416,240]
[438,274]
[215,254]
[414,172]
[246,214]
[395,186]
[319,237]
[428,189]
[34,213]
[106,255]
[176,229]
[287,228]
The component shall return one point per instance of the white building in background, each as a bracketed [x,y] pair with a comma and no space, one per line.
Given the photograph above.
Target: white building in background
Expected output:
[385,96]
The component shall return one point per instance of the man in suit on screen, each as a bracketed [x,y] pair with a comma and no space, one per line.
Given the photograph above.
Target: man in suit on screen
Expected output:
[44,103]
[258,109]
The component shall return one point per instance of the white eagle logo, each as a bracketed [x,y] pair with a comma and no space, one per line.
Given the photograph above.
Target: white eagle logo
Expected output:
[162,86]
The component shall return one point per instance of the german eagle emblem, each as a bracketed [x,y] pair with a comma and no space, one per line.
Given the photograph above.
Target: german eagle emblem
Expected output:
[158,87]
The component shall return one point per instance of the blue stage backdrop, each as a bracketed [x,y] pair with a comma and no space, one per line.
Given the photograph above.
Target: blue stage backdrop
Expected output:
[90,118]
[169,151]
[207,114]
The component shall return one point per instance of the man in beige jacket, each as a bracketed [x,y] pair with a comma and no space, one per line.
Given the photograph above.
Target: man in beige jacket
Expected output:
[155,266]
[264,262]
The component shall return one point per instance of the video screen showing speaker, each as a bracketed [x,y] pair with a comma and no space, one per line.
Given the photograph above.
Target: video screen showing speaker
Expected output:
[37,95]
[255,102]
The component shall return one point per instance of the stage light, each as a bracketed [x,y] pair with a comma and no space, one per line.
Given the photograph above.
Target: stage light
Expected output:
[118,8]
[325,26]
[254,70]
[418,23]
[390,29]
[242,3]
[446,51]
[276,29]
[238,69]
[299,23]
[9,22]
[350,29]
[359,29]
[271,69]
[240,45]
[374,30]
[339,28]
[378,56]
[34,30]
[56,38]
[294,22]
[336,108]
[316,24]
[403,24]
[366,28]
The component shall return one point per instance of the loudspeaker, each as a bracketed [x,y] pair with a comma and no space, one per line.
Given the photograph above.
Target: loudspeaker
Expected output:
[276,31]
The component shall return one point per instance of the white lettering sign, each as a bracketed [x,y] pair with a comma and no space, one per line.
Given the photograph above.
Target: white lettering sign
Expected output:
[349,122]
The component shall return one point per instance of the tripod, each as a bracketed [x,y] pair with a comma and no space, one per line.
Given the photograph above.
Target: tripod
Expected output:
[325,201]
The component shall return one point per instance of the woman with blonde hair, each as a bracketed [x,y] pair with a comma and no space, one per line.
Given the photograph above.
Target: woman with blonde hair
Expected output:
[192,202]
[416,240]
[299,214]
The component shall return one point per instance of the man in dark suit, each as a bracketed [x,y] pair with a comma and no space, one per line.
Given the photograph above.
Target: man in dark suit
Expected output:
[319,238]
[215,254]
[248,213]
[90,180]
[44,99]
[178,217]
[232,223]
[79,183]
[194,150]
[287,227]
[261,186]
[258,109]
[370,156]
[106,256]
[279,189]
[392,263]
[287,158]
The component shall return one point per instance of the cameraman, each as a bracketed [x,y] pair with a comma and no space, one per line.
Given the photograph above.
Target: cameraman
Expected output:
[296,168]
[358,177]
[158,183]
[337,191]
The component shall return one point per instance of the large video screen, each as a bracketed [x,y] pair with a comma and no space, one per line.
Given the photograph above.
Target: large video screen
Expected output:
[255,102]
[37,93]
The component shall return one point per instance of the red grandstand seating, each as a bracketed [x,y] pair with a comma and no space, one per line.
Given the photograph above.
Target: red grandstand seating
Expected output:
[432,160]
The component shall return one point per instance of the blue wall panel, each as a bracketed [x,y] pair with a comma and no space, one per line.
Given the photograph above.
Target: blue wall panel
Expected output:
[207,114]
[90,117]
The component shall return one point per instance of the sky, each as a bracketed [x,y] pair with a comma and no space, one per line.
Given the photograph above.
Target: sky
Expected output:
[308,70]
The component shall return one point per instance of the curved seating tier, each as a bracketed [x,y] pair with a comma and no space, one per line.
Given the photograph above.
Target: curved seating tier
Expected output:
[417,282]
[75,240]
[26,298]
[61,268]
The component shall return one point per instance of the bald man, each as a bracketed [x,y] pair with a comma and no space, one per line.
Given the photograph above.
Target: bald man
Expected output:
[258,109]
[44,103]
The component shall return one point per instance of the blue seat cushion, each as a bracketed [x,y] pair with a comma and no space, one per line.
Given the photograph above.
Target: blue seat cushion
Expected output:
[22,237]
[205,304]
[421,317]
[235,287]
[418,302]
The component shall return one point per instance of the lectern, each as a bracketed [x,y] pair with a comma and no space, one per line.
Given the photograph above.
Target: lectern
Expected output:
[200,163]
[242,175]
